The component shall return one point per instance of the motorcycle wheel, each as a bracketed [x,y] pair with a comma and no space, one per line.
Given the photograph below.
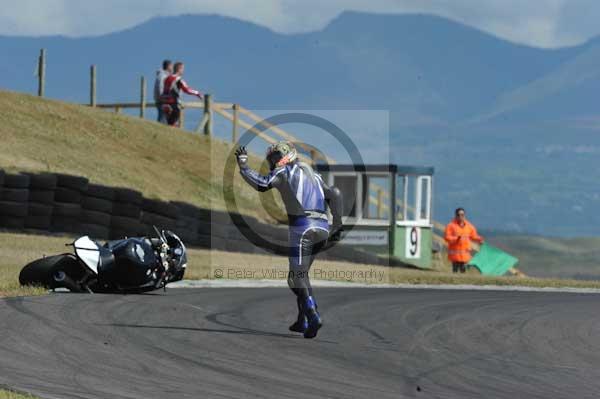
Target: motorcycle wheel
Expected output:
[53,272]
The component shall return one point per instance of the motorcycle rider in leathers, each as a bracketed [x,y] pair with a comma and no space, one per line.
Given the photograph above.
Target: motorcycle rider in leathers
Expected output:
[306,198]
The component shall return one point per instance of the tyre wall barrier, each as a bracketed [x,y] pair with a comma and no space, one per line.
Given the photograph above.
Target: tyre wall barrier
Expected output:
[63,203]
[66,212]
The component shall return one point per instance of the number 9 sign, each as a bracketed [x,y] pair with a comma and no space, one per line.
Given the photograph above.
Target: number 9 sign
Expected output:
[413,243]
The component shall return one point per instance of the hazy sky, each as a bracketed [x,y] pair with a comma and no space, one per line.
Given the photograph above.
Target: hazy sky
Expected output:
[544,23]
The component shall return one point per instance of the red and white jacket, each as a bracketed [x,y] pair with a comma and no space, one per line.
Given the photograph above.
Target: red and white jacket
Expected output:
[173,86]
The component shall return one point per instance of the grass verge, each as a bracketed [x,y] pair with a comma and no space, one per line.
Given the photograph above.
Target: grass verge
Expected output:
[8,394]
[19,249]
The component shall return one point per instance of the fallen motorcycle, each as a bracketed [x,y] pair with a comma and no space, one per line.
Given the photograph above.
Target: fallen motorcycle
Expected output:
[135,264]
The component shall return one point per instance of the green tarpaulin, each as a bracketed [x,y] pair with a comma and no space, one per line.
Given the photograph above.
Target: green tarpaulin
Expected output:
[492,261]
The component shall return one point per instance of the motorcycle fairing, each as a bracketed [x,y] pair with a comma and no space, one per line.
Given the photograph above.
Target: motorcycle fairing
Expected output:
[88,251]
[133,262]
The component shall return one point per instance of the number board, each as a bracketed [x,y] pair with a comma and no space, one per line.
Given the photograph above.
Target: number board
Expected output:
[413,243]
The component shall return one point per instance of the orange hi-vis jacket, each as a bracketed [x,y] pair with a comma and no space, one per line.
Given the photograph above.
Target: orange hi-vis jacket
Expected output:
[459,240]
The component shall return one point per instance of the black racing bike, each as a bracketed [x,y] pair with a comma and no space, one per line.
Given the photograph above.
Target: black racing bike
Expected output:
[135,264]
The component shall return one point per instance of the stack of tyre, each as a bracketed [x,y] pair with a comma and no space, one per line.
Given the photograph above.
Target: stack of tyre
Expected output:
[217,227]
[42,188]
[161,214]
[14,200]
[188,222]
[204,229]
[66,213]
[276,238]
[221,233]
[97,208]
[126,213]
[236,233]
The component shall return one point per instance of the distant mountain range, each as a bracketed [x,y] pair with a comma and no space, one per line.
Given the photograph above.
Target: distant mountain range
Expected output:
[513,131]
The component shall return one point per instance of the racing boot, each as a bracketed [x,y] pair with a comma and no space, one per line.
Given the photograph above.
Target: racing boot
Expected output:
[314,320]
[301,323]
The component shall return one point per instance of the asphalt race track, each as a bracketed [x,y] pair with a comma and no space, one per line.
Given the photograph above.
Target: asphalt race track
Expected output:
[233,343]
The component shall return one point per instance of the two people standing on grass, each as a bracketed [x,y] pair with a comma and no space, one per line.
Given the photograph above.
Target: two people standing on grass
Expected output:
[167,92]
[459,234]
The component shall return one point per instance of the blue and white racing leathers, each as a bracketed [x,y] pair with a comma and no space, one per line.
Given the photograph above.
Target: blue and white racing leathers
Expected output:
[306,198]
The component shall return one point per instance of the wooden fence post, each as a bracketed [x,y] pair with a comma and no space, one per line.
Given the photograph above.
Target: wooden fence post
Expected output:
[208,115]
[313,157]
[93,86]
[235,123]
[42,73]
[142,97]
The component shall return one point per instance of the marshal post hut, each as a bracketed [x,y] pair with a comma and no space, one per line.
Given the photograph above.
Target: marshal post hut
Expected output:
[387,209]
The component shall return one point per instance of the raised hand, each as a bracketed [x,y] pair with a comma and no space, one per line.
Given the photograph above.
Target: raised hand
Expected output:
[242,156]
